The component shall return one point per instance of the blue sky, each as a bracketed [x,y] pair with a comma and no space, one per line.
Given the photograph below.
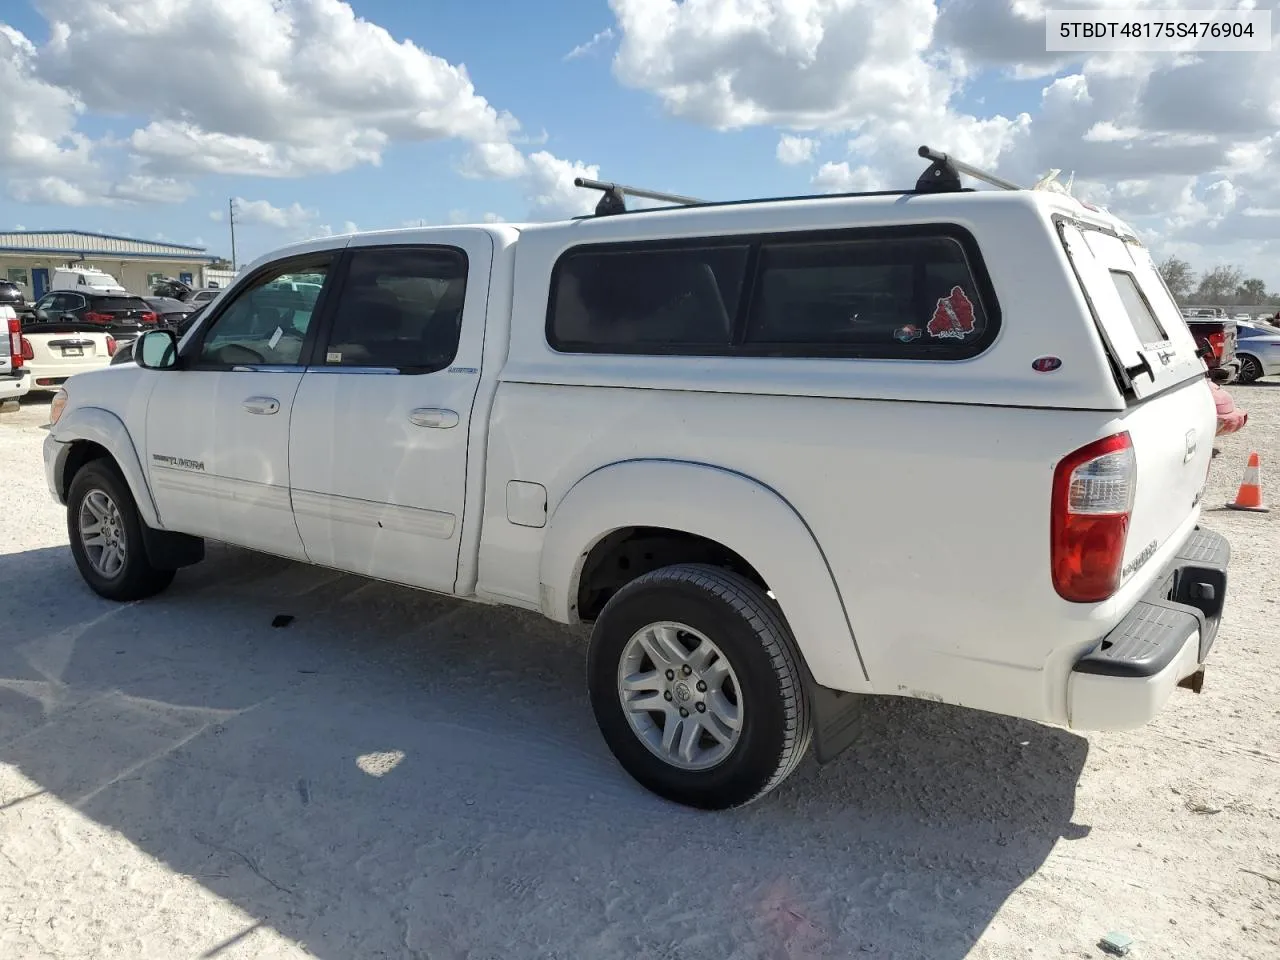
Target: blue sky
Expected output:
[643,105]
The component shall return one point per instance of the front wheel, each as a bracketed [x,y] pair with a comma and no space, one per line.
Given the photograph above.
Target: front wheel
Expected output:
[106,536]
[1250,370]
[696,686]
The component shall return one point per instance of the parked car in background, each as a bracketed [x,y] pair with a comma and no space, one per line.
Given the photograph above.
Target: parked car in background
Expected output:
[169,311]
[1216,341]
[119,314]
[12,295]
[206,295]
[1258,350]
[53,352]
[124,353]
[15,378]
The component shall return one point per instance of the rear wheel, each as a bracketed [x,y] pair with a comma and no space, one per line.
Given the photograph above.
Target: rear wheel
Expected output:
[696,686]
[1250,369]
[106,536]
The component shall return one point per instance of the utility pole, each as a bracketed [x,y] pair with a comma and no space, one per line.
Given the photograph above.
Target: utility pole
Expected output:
[231,211]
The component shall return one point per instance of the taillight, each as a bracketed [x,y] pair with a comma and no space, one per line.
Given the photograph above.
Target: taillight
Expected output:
[1093,492]
[92,317]
[1218,341]
[111,346]
[27,352]
[17,343]
[149,317]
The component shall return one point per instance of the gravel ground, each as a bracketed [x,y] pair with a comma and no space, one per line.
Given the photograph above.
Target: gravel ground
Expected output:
[399,775]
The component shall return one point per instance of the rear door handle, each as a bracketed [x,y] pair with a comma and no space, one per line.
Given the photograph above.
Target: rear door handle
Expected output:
[262,405]
[433,417]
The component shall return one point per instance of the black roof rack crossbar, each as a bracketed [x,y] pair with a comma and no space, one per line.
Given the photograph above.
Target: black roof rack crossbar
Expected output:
[615,194]
[943,174]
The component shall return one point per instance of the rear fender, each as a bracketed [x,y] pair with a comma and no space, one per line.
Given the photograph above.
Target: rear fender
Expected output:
[740,513]
[108,431]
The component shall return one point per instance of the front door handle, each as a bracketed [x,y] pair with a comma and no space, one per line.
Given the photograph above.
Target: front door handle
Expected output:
[433,417]
[263,405]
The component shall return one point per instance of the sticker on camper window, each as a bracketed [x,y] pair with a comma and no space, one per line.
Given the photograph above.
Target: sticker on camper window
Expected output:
[333,357]
[275,338]
[952,317]
[907,334]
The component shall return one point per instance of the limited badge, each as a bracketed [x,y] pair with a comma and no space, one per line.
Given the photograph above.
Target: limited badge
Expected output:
[952,317]
[907,334]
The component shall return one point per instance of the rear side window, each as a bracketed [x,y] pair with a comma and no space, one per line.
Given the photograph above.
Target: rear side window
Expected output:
[888,297]
[399,308]
[1143,318]
[647,300]
[909,293]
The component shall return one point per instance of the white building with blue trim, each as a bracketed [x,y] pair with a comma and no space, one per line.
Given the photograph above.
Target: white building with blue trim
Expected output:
[29,257]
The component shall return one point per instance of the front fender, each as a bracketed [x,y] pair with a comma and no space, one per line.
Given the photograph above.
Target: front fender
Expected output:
[730,508]
[108,431]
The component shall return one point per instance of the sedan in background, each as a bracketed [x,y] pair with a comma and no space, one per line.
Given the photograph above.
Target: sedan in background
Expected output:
[169,310]
[1258,350]
[124,354]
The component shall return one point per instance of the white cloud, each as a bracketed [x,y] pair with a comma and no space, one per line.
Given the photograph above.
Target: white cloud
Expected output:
[38,118]
[50,190]
[793,150]
[493,161]
[273,87]
[582,49]
[549,185]
[841,178]
[263,212]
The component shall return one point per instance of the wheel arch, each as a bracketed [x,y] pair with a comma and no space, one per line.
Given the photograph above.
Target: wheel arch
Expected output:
[706,505]
[90,433]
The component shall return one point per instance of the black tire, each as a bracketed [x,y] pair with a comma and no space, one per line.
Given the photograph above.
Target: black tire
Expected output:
[750,631]
[1250,369]
[137,579]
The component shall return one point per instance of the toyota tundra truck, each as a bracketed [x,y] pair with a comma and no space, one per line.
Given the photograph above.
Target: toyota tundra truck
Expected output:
[781,455]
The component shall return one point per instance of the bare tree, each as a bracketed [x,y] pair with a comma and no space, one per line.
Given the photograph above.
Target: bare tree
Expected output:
[1178,277]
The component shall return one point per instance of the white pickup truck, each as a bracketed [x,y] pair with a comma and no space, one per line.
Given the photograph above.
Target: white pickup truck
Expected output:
[15,378]
[942,443]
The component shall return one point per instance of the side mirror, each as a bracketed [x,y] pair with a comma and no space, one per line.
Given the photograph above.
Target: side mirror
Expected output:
[156,350]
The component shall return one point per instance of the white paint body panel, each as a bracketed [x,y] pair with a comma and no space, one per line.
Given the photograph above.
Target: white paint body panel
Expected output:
[375,492]
[898,509]
[215,468]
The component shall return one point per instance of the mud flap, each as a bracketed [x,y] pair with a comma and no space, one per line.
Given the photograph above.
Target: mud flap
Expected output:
[169,551]
[835,720]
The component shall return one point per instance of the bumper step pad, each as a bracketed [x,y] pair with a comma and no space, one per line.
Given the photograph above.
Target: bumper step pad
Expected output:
[1187,599]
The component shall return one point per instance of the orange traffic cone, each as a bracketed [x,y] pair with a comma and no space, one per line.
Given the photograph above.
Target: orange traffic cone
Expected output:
[1249,496]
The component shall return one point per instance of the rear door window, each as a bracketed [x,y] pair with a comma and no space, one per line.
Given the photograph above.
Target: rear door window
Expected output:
[399,309]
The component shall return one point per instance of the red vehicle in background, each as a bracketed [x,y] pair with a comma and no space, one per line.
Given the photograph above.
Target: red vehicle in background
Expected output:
[1216,340]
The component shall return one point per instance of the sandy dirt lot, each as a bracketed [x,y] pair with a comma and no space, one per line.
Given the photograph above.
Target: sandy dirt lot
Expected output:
[399,775]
